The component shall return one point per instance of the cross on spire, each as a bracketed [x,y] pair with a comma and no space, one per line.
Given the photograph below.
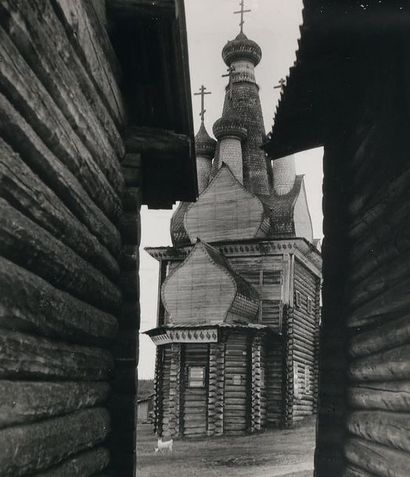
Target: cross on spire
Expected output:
[242,11]
[202,93]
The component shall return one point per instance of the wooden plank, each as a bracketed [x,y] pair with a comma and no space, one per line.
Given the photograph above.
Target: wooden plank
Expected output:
[33,101]
[28,357]
[151,8]
[377,459]
[22,188]
[35,447]
[65,78]
[389,396]
[84,464]
[90,39]
[30,246]
[31,305]
[387,428]
[35,154]
[23,401]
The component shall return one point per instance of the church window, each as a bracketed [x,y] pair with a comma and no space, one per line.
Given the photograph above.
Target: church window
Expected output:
[236,379]
[308,389]
[309,305]
[298,299]
[196,377]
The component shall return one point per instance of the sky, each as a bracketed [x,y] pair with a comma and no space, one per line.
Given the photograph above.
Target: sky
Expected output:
[274,25]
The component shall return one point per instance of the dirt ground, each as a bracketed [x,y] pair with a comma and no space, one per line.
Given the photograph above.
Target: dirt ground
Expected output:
[274,453]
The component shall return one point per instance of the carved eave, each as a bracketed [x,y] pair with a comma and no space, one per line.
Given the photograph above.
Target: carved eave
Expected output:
[193,333]
[305,251]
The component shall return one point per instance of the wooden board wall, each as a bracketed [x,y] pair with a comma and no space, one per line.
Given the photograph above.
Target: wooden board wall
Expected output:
[305,333]
[62,231]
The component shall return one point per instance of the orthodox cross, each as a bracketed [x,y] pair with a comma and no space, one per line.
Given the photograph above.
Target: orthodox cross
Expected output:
[242,11]
[202,93]
[281,84]
[230,70]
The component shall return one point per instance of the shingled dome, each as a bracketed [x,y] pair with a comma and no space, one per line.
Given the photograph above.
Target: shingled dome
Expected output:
[229,124]
[204,144]
[241,48]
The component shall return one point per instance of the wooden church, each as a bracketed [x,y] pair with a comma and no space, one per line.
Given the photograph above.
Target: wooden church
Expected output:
[239,291]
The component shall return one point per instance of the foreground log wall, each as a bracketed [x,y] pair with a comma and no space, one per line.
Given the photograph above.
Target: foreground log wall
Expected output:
[68,254]
[365,372]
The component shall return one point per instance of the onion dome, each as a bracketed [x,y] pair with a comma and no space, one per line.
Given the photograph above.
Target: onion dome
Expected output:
[204,144]
[230,124]
[241,48]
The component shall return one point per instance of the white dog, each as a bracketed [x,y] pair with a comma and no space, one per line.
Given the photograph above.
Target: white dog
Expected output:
[164,446]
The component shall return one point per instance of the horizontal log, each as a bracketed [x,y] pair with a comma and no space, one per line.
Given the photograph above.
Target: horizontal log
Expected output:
[33,101]
[30,246]
[91,41]
[22,188]
[377,459]
[22,402]
[17,132]
[352,471]
[38,446]
[84,464]
[387,428]
[66,79]
[29,304]
[393,301]
[390,365]
[388,335]
[24,356]
[390,396]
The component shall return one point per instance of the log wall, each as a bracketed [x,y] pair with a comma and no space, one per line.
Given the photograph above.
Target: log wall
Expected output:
[195,408]
[68,253]
[274,381]
[237,384]
[365,373]
[305,334]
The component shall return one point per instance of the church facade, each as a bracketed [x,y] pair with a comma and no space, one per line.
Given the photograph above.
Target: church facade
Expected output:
[239,290]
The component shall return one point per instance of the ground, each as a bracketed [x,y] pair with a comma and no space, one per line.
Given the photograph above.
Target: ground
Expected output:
[274,453]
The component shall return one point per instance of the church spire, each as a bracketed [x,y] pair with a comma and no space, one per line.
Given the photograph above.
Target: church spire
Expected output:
[204,146]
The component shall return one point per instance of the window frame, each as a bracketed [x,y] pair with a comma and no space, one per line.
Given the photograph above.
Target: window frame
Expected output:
[191,381]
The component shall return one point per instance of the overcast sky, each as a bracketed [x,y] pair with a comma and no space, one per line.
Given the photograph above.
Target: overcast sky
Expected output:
[274,25]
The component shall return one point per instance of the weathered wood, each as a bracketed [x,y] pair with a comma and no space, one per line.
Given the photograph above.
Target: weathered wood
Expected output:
[22,402]
[154,8]
[90,39]
[377,459]
[84,464]
[25,356]
[65,77]
[387,428]
[22,188]
[352,471]
[390,365]
[29,245]
[32,150]
[385,336]
[389,396]
[31,98]
[37,446]
[31,305]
